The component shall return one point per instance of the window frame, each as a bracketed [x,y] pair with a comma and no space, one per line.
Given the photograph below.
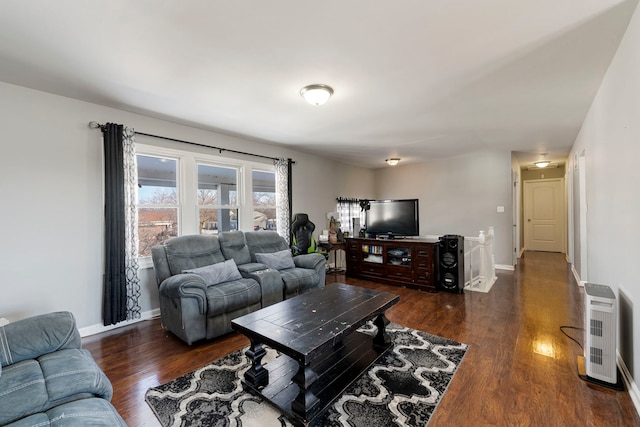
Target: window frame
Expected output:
[178,190]
[187,186]
[219,205]
[275,205]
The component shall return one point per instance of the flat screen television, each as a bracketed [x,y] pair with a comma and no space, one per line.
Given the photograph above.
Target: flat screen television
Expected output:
[392,218]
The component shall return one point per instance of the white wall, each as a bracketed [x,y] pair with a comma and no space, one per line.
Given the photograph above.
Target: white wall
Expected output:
[51,192]
[458,195]
[51,198]
[610,138]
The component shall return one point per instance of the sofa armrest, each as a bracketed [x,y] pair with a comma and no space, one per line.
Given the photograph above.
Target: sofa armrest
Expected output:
[271,285]
[313,261]
[186,285]
[269,279]
[38,335]
[247,269]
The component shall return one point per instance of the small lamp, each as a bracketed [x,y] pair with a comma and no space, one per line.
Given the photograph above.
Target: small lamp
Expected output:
[316,94]
[393,161]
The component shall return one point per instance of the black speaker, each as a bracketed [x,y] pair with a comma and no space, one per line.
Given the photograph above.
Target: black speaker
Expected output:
[451,263]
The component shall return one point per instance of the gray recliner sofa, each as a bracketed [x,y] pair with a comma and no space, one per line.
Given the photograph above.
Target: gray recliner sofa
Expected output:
[307,272]
[205,281]
[47,379]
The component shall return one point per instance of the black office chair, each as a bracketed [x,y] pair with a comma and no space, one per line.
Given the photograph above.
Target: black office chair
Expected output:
[302,240]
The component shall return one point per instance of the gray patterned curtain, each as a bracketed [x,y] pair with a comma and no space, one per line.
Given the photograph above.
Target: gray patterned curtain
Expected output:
[348,209]
[283,198]
[131,224]
[121,283]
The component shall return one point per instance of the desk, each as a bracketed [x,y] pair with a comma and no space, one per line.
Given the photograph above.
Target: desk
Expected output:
[340,246]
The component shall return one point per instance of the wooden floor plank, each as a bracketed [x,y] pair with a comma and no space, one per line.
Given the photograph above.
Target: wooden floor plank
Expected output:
[520,370]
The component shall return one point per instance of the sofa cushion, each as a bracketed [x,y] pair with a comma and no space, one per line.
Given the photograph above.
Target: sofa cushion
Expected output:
[29,338]
[234,247]
[22,391]
[264,242]
[81,413]
[72,374]
[231,296]
[36,385]
[298,280]
[279,260]
[187,252]
[217,273]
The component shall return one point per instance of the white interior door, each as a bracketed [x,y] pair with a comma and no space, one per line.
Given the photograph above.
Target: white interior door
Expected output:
[544,221]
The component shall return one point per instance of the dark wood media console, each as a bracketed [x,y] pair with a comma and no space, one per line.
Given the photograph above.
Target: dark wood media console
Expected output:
[402,262]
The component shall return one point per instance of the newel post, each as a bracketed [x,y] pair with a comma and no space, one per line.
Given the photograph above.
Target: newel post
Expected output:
[483,258]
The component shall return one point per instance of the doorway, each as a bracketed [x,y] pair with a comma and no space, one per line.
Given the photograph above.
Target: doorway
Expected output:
[544,219]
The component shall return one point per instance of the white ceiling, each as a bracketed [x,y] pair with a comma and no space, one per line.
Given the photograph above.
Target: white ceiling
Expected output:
[419,80]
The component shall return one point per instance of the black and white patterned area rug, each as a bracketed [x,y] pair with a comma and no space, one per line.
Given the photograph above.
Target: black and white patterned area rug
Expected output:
[402,388]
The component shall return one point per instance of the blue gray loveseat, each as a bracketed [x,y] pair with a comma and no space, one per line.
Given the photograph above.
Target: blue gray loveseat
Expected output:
[47,379]
[205,281]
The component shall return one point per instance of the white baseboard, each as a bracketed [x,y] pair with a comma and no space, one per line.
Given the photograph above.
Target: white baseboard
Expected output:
[475,288]
[577,277]
[504,267]
[99,328]
[631,385]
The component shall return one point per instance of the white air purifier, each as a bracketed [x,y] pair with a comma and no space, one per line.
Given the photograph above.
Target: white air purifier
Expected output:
[600,333]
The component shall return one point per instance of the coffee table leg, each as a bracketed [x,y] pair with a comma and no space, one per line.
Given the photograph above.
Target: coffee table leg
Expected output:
[382,338]
[257,375]
[303,405]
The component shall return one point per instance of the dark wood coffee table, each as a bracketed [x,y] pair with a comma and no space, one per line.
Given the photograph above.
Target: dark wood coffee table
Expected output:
[322,351]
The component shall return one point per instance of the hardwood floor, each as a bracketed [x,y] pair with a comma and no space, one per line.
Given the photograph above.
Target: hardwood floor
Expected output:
[520,369]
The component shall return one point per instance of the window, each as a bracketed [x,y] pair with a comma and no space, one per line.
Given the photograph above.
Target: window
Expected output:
[348,210]
[182,192]
[217,198]
[157,201]
[264,200]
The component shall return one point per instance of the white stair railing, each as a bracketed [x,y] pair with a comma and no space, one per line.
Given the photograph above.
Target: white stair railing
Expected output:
[480,271]
[479,263]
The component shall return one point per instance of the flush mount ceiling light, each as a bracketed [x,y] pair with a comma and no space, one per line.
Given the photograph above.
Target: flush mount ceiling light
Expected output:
[542,163]
[393,161]
[316,94]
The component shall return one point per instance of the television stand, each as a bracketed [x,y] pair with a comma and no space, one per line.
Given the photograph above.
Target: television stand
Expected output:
[390,237]
[403,262]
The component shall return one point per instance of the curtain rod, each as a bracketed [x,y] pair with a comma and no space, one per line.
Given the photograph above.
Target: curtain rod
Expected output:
[96,125]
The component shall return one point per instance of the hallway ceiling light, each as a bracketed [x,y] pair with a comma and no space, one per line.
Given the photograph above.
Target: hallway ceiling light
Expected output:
[393,161]
[316,94]
[542,163]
